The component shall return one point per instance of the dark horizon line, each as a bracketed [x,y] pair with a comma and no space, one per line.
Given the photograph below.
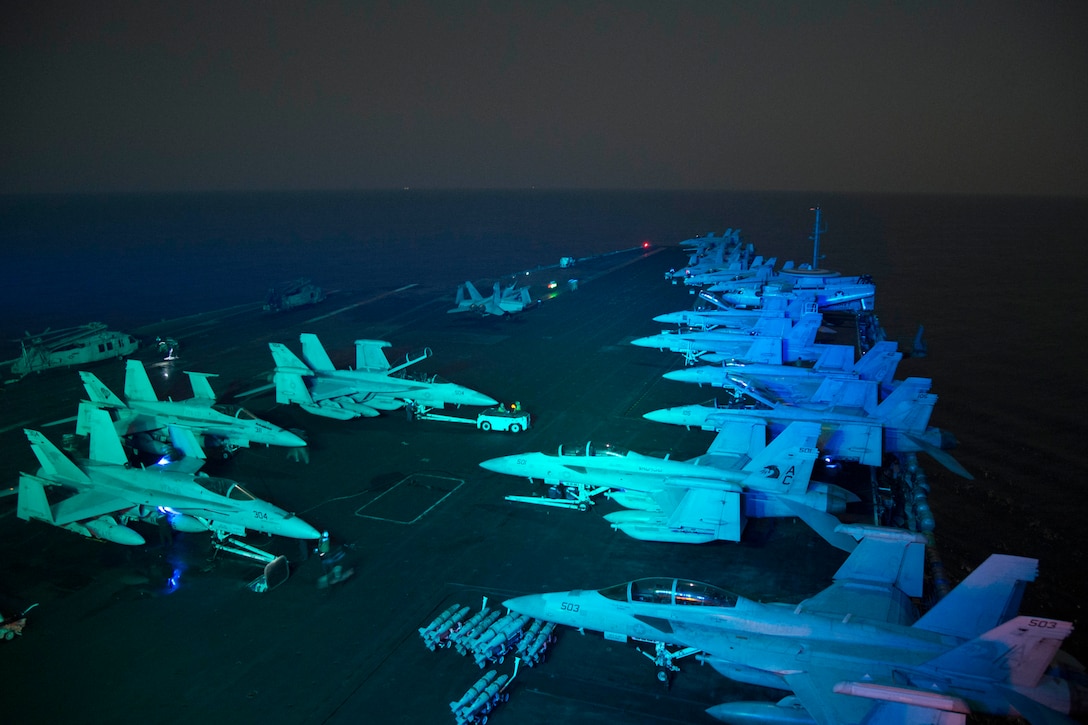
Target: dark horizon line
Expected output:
[14,195]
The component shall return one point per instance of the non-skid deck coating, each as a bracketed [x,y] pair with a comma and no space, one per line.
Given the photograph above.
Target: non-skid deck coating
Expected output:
[424,527]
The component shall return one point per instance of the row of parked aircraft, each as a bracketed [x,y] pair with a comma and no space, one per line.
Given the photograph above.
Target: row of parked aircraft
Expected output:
[857,652]
[107,492]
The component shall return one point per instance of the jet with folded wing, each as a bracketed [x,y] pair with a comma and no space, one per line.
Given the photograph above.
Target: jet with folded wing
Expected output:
[774,340]
[105,493]
[855,426]
[856,652]
[796,385]
[708,498]
[146,422]
[372,386]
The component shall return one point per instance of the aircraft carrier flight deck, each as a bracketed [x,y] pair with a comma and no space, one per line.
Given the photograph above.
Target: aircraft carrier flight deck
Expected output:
[170,632]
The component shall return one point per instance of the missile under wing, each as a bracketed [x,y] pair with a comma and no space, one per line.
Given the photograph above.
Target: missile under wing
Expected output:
[856,652]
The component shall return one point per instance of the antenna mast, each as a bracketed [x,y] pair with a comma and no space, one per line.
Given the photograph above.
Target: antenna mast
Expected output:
[816,231]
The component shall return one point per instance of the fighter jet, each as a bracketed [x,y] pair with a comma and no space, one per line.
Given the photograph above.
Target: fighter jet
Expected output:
[145,421]
[796,385]
[855,652]
[714,253]
[829,290]
[502,302]
[708,498]
[722,315]
[319,388]
[855,427]
[107,493]
[771,340]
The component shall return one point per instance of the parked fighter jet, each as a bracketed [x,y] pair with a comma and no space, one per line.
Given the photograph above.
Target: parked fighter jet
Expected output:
[794,384]
[503,301]
[856,427]
[772,340]
[722,315]
[110,493]
[828,290]
[705,499]
[855,652]
[145,420]
[711,253]
[319,388]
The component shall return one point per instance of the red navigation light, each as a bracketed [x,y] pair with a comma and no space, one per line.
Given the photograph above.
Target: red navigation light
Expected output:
[645,245]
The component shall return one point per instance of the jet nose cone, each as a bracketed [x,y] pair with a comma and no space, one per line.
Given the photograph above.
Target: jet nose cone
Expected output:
[292,527]
[531,605]
[651,341]
[684,375]
[671,318]
[503,464]
[288,439]
[659,416]
[468,396]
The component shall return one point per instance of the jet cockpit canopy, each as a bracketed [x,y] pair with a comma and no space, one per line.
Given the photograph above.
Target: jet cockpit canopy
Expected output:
[234,411]
[225,487]
[661,590]
[588,449]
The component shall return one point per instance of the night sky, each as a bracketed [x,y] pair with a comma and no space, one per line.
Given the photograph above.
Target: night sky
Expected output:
[961,97]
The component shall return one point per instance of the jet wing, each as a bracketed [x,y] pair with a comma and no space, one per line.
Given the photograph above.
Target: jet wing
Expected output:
[193,456]
[87,505]
[737,442]
[714,511]
[863,442]
[878,578]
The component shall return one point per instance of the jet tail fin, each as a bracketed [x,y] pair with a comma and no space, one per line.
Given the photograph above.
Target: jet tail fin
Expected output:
[879,363]
[287,361]
[473,293]
[313,352]
[765,350]
[989,596]
[137,384]
[105,443]
[778,327]
[803,334]
[53,462]
[835,359]
[99,393]
[909,406]
[370,356]
[33,503]
[202,389]
[1018,651]
[785,465]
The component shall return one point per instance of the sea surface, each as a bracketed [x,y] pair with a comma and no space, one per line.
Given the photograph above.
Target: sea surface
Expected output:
[998,283]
